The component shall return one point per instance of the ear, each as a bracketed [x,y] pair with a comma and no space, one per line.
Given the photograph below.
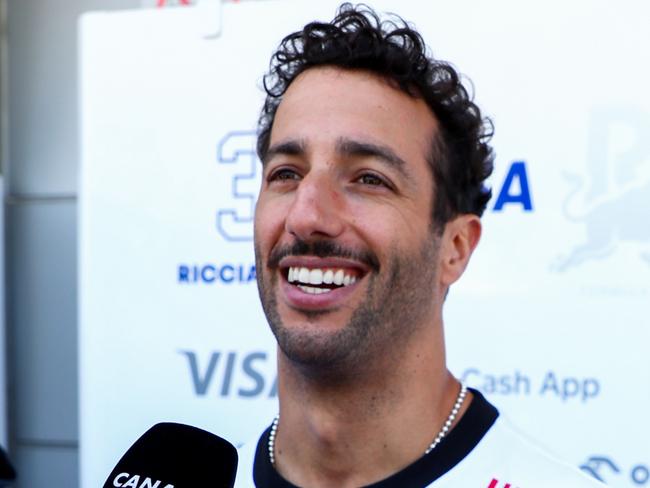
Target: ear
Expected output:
[459,239]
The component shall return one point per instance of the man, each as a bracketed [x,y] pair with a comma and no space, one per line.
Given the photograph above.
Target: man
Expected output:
[374,159]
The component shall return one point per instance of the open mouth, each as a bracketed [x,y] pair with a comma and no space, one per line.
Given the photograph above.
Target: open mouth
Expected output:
[316,281]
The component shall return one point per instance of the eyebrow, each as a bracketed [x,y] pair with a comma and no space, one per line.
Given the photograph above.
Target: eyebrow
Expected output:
[287,148]
[352,147]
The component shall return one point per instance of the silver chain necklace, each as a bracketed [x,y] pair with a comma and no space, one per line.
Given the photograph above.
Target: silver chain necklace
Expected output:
[443,432]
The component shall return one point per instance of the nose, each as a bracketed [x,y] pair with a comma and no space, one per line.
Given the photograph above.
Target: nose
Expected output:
[316,210]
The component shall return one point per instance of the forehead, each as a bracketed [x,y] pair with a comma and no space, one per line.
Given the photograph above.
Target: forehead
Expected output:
[326,104]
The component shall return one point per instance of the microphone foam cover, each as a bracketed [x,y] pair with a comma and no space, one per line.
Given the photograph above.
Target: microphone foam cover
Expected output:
[178,456]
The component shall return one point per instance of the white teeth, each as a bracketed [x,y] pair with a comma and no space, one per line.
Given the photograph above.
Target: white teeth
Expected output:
[328,277]
[303,275]
[315,277]
[318,276]
[338,277]
[313,291]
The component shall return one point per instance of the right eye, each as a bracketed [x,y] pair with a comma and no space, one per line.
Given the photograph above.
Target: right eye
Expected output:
[283,174]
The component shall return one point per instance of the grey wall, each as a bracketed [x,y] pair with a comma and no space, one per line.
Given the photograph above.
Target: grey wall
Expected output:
[40,169]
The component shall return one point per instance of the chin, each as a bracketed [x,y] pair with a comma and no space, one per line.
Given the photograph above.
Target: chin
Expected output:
[309,345]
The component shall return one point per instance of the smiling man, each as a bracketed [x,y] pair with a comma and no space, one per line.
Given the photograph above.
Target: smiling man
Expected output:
[374,160]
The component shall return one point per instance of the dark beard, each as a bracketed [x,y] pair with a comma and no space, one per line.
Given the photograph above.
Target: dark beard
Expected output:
[391,311]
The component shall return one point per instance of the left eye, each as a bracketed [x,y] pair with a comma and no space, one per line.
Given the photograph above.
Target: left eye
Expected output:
[372,180]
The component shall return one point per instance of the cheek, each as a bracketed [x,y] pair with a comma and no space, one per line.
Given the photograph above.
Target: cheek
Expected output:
[268,224]
[377,233]
[335,197]
[392,230]
[381,221]
[263,232]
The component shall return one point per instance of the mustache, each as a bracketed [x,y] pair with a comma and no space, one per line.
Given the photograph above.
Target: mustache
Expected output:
[322,249]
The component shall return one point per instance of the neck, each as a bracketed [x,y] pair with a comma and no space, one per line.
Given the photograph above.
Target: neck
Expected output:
[367,426]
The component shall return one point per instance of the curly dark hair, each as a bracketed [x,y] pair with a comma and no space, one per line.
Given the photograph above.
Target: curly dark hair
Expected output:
[357,39]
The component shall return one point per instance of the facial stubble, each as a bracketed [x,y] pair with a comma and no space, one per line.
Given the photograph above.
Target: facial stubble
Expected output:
[398,297]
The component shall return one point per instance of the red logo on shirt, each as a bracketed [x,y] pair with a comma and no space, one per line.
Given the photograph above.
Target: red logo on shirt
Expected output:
[495,483]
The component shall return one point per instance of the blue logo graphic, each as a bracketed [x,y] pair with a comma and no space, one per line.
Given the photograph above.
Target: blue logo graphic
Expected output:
[517,176]
[605,469]
[214,273]
[614,202]
[238,149]
[244,374]
[552,385]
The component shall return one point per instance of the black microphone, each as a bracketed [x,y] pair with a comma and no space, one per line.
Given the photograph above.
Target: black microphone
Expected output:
[176,456]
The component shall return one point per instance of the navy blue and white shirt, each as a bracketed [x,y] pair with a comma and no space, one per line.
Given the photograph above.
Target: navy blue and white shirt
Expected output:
[482,451]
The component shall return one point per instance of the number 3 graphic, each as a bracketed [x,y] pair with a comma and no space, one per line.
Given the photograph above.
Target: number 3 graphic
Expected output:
[238,148]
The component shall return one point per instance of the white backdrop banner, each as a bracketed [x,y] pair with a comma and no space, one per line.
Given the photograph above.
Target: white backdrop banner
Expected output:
[551,320]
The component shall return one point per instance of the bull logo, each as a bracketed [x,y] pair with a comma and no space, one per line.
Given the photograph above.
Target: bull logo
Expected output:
[615,206]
